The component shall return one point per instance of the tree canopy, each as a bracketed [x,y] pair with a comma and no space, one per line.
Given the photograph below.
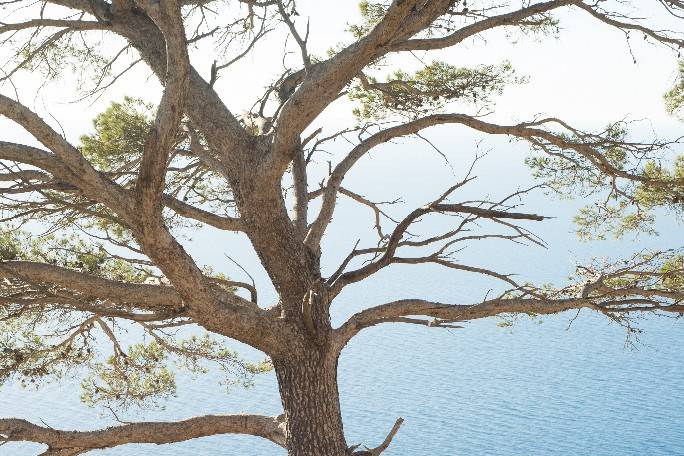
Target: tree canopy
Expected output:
[108,291]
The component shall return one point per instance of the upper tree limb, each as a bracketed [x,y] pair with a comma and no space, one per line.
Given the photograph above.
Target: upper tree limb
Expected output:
[323,82]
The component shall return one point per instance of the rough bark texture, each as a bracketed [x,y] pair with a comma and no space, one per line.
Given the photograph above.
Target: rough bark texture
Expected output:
[308,388]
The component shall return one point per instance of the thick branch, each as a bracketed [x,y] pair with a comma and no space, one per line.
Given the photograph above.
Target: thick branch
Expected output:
[186,210]
[442,314]
[324,81]
[301,197]
[78,442]
[160,140]
[59,23]
[90,181]
[93,287]
[35,157]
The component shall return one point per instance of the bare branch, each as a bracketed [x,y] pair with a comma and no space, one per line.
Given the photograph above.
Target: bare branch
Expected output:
[78,442]
[384,445]
[395,240]
[610,19]
[489,23]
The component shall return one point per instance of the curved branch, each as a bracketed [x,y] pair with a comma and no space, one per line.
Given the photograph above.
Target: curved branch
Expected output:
[443,314]
[380,448]
[525,131]
[334,183]
[66,157]
[324,81]
[78,442]
[478,27]
[91,286]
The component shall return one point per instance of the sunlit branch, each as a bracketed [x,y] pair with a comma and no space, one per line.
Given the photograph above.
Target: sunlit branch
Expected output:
[78,442]
[508,19]
[93,287]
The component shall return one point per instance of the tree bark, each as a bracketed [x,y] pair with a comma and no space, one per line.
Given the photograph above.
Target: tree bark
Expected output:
[308,390]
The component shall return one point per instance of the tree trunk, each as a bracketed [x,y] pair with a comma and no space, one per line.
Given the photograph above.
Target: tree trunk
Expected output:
[308,390]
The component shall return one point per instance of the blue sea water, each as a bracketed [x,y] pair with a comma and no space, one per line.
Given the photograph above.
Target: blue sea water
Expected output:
[540,387]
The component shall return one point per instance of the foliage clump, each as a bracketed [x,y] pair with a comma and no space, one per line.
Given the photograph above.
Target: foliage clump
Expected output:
[120,132]
[621,205]
[50,54]
[31,358]
[371,14]
[430,89]
[674,98]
